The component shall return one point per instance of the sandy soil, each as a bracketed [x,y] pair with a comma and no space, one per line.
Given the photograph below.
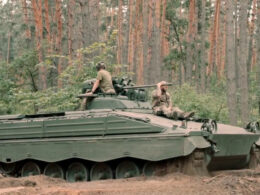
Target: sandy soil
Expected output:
[224,182]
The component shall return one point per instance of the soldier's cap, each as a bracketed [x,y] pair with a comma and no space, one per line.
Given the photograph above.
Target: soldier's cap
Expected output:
[100,65]
[163,83]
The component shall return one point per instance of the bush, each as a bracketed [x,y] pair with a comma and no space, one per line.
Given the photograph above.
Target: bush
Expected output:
[204,105]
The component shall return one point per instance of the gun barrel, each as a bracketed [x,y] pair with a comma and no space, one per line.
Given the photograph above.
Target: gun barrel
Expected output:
[145,86]
[85,95]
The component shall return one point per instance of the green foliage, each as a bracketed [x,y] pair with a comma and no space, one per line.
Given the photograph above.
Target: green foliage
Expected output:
[6,86]
[254,95]
[18,80]
[207,105]
[50,100]
[88,58]
[25,68]
[178,27]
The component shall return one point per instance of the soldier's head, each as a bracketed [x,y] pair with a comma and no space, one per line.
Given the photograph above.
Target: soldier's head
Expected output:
[164,87]
[100,65]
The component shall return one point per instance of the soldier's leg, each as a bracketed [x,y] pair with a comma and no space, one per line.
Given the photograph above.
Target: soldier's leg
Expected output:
[181,114]
[177,112]
[168,112]
[157,111]
[110,91]
[83,104]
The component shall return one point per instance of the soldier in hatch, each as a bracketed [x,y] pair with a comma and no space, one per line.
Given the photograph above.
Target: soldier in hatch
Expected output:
[162,105]
[103,81]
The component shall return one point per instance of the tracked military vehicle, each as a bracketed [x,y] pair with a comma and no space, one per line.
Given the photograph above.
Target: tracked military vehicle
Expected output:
[117,136]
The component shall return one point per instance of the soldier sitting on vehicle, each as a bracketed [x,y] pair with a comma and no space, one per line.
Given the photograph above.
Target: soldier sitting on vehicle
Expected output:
[103,81]
[162,105]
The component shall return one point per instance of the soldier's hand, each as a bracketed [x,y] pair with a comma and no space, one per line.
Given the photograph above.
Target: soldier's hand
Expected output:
[161,83]
[89,93]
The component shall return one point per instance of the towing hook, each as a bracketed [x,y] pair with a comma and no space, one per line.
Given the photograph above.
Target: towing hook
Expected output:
[209,125]
[253,127]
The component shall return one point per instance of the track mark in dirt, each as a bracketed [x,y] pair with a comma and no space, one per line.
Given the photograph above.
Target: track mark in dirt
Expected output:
[222,182]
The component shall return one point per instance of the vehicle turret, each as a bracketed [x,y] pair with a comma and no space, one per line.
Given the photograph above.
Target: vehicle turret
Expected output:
[128,95]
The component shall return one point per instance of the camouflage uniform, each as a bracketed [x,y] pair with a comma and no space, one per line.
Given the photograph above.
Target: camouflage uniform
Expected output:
[162,106]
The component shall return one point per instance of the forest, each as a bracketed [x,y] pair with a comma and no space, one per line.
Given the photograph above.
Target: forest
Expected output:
[209,49]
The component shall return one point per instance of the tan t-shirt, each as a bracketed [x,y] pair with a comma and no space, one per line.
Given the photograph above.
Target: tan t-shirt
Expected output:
[105,79]
[164,100]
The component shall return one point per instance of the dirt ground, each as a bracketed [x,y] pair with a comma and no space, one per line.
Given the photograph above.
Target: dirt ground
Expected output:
[224,182]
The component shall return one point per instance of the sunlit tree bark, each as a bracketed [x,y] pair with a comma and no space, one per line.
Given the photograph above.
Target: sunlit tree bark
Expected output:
[230,62]
[224,39]
[26,19]
[251,49]
[155,41]
[131,36]
[145,40]
[71,5]
[258,54]
[47,25]
[214,38]
[190,41]
[243,81]
[203,48]
[37,10]
[119,36]
[59,37]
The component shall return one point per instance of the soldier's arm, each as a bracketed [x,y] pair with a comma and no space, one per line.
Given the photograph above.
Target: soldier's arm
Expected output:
[158,90]
[95,86]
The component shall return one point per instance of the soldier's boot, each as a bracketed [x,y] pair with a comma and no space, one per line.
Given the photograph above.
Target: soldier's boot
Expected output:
[174,115]
[187,115]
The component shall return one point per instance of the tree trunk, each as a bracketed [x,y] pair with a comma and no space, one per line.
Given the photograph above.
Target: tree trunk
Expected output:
[90,21]
[140,73]
[251,38]
[145,40]
[243,82]
[197,46]
[258,54]
[214,38]
[131,37]
[37,10]
[236,42]
[190,42]
[224,38]
[47,25]
[166,73]
[138,50]
[59,38]
[8,47]
[155,70]
[71,5]
[149,34]
[84,24]
[26,21]
[230,62]
[119,30]
[125,34]
[203,48]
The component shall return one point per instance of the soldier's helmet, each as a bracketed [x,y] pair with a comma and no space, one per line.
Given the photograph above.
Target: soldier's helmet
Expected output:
[100,65]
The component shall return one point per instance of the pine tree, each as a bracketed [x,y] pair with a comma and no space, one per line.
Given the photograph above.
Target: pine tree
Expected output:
[230,62]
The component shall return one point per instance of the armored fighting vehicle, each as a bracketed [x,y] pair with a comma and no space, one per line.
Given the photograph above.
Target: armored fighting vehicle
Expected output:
[117,136]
